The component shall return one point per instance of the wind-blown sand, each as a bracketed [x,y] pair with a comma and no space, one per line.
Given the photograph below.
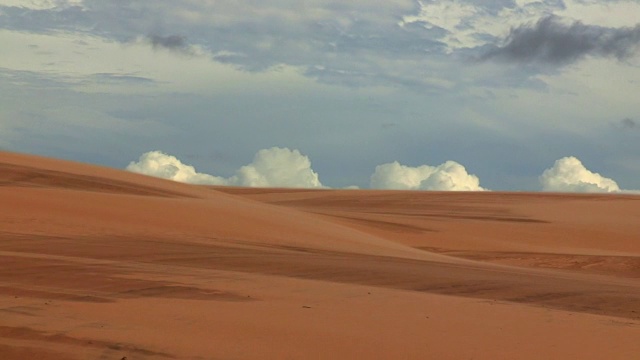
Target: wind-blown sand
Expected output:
[97,263]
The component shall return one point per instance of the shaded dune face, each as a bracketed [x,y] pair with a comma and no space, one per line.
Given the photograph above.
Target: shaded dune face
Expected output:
[93,261]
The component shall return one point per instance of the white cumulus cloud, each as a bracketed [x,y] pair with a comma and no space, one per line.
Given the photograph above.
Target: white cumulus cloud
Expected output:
[159,164]
[570,175]
[277,167]
[274,167]
[449,176]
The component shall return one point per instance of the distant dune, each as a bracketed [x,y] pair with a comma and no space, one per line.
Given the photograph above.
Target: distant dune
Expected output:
[97,263]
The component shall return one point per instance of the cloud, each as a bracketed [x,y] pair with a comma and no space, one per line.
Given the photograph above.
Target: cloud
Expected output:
[414,44]
[357,42]
[282,167]
[278,167]
[444,177]
[628,123]
[169,42]
[175,43]
[570,175]
[121,78]
[554,41]
[159,164]
[274,167]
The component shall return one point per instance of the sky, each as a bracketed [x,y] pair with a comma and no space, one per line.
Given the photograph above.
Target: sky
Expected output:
[514,95]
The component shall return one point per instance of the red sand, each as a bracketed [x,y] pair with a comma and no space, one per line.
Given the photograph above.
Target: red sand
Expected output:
[98,263]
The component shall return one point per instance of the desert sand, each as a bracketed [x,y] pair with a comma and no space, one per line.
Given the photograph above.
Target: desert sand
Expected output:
[98,263]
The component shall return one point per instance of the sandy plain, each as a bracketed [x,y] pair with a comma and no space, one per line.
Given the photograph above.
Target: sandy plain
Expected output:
[97,263]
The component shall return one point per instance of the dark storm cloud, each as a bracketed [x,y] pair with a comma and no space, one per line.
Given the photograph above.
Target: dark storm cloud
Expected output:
[171,42]
[552,41]
[628,123]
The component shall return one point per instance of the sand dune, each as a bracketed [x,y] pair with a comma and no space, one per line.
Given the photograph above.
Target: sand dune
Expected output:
[97,263]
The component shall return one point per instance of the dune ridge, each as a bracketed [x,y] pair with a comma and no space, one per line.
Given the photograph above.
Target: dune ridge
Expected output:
[101,263]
